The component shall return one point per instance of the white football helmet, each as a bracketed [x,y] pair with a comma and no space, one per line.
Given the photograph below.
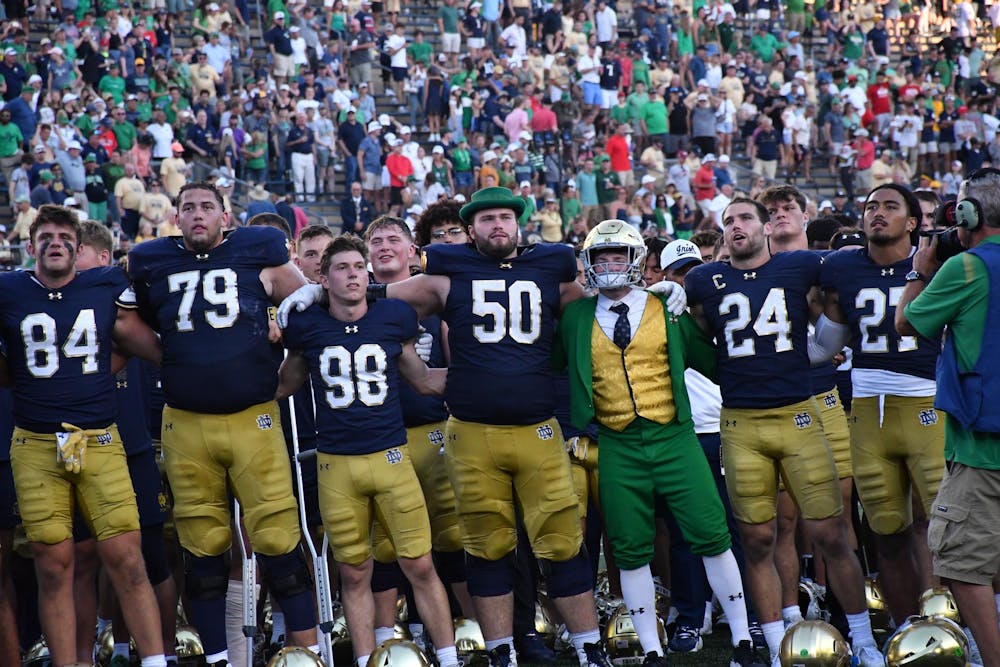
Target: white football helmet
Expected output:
[613,234]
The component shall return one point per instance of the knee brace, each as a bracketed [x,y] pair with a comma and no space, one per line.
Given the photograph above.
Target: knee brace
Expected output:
[285,575]
[490,578]
[290,583]
[569,577]
[206,577]
[386,576]
[155,554]
[450,566]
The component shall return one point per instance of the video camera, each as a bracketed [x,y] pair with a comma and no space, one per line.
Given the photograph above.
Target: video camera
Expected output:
[948,243]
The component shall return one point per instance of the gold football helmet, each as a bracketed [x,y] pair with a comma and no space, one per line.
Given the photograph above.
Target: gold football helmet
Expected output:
[621,641]
[810,601]
[544,627]
[878,610]
[927,642]
[814,644]
[295,656]
[469,637]
[619,235]
[938,601]
[398,653]
[106,646]
[187,642]
[38,655]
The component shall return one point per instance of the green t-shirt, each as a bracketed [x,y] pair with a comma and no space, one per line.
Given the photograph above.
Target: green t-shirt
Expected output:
[257,162]
[620,113]
[655,115]
[10,139]
[145,110]
[854,42]
[727,33]
[421,52]
[958,296]
[461,160]
[607,187]
[449,17]
[795,6]
[125,134]
[685,43]
[636,102]
[640,72]
[570,209]
[764,46]
[114,85]
[529,210]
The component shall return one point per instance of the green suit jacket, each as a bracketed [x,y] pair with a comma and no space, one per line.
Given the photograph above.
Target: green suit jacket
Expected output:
[687,347]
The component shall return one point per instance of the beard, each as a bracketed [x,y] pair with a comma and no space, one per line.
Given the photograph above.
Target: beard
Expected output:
[497,249]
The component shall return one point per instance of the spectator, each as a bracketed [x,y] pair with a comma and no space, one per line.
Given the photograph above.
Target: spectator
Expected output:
[280,46]
[356,212]
[370,163]
[24,215]
[96,190]
[129,191]
[41,194]
[620,154]
[11,143]
[359,45]
[301,144]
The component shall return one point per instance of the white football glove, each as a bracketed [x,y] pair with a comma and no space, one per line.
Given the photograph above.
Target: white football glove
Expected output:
[677,299]
[298,301]
[424,344]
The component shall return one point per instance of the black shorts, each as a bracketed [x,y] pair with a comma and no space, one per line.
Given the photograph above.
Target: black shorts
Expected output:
[395,195]
[399,73]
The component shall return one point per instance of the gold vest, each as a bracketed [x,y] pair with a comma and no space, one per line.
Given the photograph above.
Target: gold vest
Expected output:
[634,381]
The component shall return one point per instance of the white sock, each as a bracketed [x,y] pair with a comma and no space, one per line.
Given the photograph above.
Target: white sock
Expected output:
[791,614]
[235,640]
[493,643]
[861,630]
[383,633]
[640,599]
[221,655]
[120,649]
[774,632]
[447,656]
[154,661]
[277,626]
[363,660]
[579,639]
[724,578]
[315,649]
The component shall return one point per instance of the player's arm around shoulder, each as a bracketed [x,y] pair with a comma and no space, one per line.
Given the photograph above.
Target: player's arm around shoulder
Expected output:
[131,335]
[568,293]
[413,369]
[280,281]
[699,348]
[426,293]
[292,374]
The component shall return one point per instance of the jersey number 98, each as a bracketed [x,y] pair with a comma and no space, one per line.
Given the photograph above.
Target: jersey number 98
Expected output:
[348,376]
[218,288]
[521,320]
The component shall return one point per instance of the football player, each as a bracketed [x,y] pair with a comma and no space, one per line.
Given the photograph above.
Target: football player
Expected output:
[390,248]
[757,308]
[208,294]
[58,327]
[132,393]
[309,247]
[786,206]
[897,438]
[355,354]
[616,346]
[500,305]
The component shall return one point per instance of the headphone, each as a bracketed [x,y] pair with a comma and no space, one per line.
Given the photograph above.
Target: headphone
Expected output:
[969,212]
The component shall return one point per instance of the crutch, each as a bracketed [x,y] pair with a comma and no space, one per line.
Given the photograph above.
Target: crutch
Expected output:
[321,569]
[249,587]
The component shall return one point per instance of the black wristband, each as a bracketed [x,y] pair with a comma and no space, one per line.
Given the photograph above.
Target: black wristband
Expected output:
[376,291]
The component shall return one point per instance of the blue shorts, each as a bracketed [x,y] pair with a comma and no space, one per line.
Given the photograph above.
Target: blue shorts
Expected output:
[463,179]
[9,517]
[592,94]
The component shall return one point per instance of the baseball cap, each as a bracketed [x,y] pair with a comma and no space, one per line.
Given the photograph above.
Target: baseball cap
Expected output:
[710,157]
[74,145]
[374,126]
[826,203]
[724,158]
[489,155]
[140,61]
[70,201]
[177,147]
[861,132]
[90,158]
[679,253]
[10,52]
[648,179]
[40,148]
[438,150]
[279,15]
[525,184]
[34,78]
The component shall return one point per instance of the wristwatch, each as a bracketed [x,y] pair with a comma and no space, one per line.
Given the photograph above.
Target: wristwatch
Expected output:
[916,275]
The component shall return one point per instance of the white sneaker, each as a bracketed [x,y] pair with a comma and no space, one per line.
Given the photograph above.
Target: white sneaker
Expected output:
[869,656]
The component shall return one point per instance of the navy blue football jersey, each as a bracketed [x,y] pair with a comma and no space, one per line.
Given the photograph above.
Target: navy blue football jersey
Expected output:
[420,409]
[211,311]
[760,320]
[501,317]
[132,393]
[355,374]
[59,347]
[868,294]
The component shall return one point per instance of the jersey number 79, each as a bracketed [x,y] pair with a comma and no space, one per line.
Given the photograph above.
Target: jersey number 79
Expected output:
[218,288]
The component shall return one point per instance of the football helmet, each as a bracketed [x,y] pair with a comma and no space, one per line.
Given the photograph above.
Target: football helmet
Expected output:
[106,646]
[38,655]
[938,601]
[927,642]
[814,644]
[621,641]
[810,601]
[469,637]
[188,645]
[296,656]
[398,653]
[619,235]
[878,610]
[544,628]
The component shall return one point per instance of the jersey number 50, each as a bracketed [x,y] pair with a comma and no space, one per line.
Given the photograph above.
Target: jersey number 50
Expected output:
[347,376]
[521,295]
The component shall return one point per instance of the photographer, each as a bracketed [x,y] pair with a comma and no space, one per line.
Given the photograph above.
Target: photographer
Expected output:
[961,293]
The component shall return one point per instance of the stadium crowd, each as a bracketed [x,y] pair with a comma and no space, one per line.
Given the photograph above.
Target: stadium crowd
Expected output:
[651,138]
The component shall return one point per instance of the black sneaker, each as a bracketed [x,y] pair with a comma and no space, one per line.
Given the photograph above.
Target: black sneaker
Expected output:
[597,656]
[531,648]
[500,657]
[655,660]
[686,639]
[757,635]
[744,655]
